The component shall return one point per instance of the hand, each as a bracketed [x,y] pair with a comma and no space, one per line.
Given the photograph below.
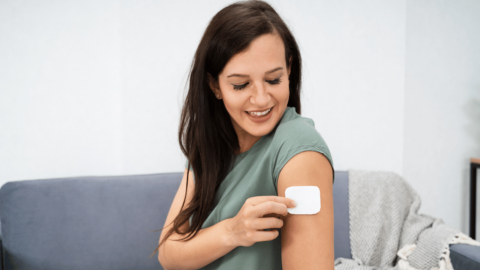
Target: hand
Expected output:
[258,213]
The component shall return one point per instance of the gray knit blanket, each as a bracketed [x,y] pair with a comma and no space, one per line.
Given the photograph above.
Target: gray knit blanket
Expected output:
[386,230]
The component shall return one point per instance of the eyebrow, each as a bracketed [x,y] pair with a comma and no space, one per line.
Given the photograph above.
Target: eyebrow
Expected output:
[241,75]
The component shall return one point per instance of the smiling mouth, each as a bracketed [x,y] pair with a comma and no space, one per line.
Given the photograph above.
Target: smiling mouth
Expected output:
[260,114]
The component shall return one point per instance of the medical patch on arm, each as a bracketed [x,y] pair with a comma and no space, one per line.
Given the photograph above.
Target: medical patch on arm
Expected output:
[307,199]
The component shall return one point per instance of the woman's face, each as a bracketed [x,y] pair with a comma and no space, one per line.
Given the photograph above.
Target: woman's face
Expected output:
[252,83]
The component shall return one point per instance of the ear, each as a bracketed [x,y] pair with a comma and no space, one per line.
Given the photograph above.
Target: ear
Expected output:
[289,65]
[214,86]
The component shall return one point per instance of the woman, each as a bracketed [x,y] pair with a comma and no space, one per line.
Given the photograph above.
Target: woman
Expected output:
[245,141]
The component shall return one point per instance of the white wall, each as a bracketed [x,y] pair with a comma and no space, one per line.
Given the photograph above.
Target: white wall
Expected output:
[442,105]
[95,88]
[61,86]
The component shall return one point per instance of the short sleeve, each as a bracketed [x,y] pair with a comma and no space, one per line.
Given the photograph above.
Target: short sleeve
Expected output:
[190,168]
[294,137]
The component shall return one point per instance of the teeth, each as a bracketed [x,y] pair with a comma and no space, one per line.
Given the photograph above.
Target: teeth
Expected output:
[260,113]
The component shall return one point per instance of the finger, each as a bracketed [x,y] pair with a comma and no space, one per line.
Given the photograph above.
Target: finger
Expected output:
[261,236]
[273,215]
[282,217]
[260,199]
[269,207]
[266,223]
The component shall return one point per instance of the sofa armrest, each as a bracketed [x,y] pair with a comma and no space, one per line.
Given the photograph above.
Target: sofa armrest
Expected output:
[465,257]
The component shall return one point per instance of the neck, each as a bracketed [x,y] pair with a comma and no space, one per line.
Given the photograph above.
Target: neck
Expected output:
[246,142]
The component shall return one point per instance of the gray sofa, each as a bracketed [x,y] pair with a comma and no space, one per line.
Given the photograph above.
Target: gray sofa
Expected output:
[108,222]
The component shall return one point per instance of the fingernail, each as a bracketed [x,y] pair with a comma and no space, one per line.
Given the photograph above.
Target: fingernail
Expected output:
[294,203]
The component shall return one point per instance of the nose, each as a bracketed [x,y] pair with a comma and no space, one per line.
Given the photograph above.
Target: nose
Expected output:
[260,97]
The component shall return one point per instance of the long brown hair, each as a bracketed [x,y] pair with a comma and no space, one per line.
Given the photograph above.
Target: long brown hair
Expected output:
[206,134]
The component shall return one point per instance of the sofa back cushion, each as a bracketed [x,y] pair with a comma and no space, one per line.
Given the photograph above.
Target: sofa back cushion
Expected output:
[85,222]
[341,215]
[104,222]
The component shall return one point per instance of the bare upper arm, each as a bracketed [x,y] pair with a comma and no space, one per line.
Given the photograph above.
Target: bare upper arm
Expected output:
[308,240]
[177,204]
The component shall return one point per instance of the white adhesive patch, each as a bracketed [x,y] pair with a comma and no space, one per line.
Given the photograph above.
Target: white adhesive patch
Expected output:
[307,199]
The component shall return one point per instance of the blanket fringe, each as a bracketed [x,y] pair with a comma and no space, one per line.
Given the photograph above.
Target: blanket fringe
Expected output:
[445,262]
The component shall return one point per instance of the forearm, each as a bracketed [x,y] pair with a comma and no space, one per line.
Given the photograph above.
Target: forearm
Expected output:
[208,245]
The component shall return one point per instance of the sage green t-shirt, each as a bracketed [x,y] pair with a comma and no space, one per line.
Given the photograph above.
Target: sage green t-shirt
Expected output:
[255,173]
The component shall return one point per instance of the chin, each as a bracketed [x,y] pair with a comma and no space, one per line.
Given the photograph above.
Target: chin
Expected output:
[262,131]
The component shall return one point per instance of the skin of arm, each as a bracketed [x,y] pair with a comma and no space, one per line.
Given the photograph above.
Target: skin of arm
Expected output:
[208,245]
[308,240]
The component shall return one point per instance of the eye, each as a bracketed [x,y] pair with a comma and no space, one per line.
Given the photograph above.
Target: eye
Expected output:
[276,81]
[239,87]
